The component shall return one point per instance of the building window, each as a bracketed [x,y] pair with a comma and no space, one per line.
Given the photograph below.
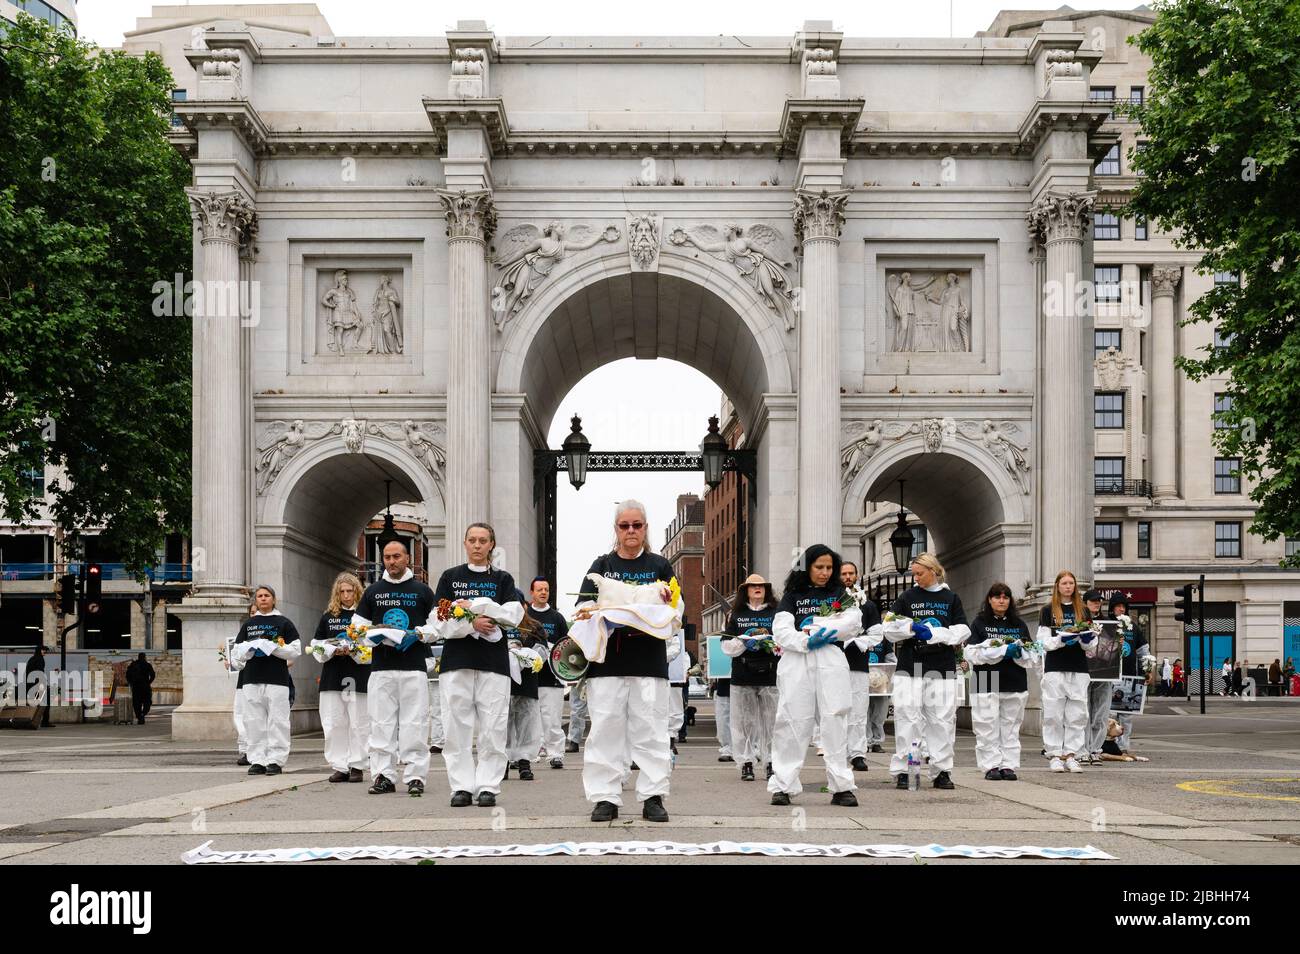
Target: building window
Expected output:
[1109,164]
[1108,475]
[1226,278]
[1137,95]
[1227,475]
[920,539]
[33,479]
[1227,539]
[1144,539]
[1106,538]
[1106,280]
[1105,227]
[1292,546]
[1221,341]
[178,96]
[1140,229]
[1108,409]
[1222,404]
[1104,338]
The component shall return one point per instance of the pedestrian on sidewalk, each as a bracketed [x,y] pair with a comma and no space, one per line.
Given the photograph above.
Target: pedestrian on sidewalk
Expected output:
[140,676]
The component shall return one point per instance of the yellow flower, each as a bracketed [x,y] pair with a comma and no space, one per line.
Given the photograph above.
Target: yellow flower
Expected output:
[458,612]
[674,592]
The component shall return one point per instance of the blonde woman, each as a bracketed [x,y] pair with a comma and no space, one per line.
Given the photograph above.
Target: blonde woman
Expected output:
[1065,674]
[343,703]
[927,640]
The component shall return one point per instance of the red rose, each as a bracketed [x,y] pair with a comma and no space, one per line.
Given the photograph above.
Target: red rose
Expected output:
[835,605]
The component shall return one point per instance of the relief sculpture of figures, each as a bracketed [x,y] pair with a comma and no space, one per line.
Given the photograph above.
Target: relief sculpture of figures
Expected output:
[757,252]
[526,256]
[281,441]
[387,322]
[344,319]
[918,325]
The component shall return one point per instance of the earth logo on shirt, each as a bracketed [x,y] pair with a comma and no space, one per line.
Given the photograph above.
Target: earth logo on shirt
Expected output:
[932,621]
[397,619]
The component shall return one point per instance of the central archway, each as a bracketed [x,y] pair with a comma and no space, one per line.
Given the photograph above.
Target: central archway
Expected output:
[693,309]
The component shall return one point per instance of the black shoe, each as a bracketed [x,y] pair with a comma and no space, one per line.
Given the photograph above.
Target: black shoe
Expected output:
[525,770]
[943,781]
[681,736]
[900,781]
[257,770]
[243,760]
[747,772]
[672,744]
[845,799]
[604,811]
[382,786]
[1008,775]
[461,799]
[768,770]
[653,809]
[993,775]
[509,766]
[435,750]
[780,798]
[273,769]
[354,775]
[339,777]
[557,763]
[415,788]
[725,758]
[570,746]
[486,799]
[141,721]
[877,748]
[860,764]
[634,767]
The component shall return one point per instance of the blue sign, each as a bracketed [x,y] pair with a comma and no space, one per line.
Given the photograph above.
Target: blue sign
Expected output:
[719,662]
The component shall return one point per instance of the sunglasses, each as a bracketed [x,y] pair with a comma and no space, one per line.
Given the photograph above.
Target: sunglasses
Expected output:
[631,526]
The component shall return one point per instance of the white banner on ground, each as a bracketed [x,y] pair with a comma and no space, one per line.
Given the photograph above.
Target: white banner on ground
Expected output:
[206,855]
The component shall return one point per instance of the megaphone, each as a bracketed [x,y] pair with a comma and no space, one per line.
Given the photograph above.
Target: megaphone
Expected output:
[568,661]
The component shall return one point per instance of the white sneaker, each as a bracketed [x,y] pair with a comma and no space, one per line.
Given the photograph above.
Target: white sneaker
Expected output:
[1056,765]
[1071,765]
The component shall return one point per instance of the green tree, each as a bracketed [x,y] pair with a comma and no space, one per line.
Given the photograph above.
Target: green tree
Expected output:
[92,214]
[1221,171]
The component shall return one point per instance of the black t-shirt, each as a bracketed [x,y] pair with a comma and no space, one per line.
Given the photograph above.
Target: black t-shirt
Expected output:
[722,689]
[403,605]
[1068,658]
[140,673]
[1006,675]
[554,628]
[470,652]
[265,670]
[858,660]
[941,607]
[340,672]
[756,668]
[629,652]
[802,604]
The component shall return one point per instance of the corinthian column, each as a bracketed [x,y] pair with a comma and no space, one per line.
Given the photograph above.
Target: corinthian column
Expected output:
[471,220]
[1164,280]
[818,218]
[1066,498]
[220,495]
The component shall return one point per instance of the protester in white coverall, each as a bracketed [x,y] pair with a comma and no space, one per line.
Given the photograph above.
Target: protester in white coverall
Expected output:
[264,681]
[344,708]
[927,633]
[1000,657]
[437,735]
[722,718]
[754,696]
[813,676]
[1099,693]
[550,691]
[1065,675]
[679,662]
[627,693]
[859,679]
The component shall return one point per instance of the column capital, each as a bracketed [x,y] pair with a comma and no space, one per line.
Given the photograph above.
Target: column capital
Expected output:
[470,215]
[1057,218]
[1164,279]
[222,216]
[818,215]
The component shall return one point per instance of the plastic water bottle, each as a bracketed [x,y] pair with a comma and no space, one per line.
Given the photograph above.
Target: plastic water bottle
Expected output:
[914,767]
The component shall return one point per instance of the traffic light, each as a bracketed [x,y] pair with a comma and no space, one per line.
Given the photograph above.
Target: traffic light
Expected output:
[68,594]
[1183,601]
[94,587]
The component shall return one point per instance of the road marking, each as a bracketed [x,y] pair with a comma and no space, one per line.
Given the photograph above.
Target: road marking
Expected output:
[17,848]
[1224,786]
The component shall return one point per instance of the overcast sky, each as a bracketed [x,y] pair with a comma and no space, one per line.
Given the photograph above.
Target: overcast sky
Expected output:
[105,21]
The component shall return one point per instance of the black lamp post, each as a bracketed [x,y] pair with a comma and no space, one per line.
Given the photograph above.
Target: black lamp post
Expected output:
[389,533]
[713,453]
[901,539]
[577,449]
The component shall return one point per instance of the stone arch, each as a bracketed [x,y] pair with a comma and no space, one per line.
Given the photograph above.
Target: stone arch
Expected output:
[693,280]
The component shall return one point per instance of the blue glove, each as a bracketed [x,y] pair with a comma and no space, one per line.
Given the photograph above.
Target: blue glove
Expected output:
[1013,651]
[922,632]
[258,652]
[806,621]
[1087,637]
[409,640]
[748,632]
[1128,650]
[1069,640]
[823,637]
[751,644]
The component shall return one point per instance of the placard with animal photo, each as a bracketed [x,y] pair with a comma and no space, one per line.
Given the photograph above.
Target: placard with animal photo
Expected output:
[1106,663]
[1129,695]
[881,679]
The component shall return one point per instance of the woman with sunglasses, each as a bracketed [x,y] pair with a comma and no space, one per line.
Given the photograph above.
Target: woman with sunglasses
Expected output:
[627,693]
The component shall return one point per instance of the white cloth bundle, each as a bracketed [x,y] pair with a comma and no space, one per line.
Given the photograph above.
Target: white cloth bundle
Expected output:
[324,649]
[611,592]
[521,657]
[510,614]
[654,619]
[982,654]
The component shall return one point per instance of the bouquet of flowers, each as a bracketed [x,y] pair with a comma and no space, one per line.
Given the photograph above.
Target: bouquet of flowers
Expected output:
[1148,664]
[1027,645]
[448,610]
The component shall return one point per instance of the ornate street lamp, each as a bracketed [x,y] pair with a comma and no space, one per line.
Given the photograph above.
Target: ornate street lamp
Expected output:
[577,449]
[901,539]
[389,533]
[713,453]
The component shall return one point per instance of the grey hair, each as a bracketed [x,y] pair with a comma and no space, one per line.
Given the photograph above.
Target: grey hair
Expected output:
[623,507]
